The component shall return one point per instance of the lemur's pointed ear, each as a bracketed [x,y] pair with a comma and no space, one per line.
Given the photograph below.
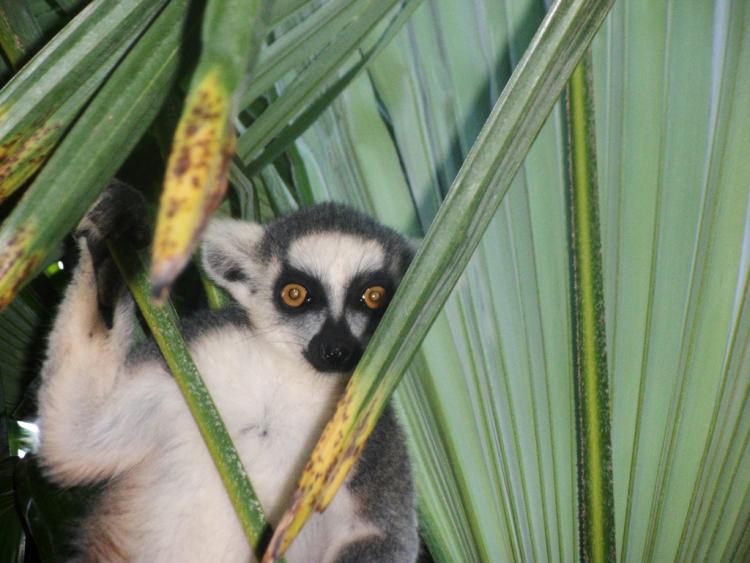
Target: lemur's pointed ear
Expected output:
[228,252]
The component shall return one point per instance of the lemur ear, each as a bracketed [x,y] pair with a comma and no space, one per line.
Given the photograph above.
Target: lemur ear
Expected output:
[228,253]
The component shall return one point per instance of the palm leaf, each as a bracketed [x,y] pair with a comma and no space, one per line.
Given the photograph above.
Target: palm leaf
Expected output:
[11,537]
[196,175]
[596,503]
[162,322]
[92,152]
[506,329]
[305,86]
[46,95]
[19,31]
[474,197]
[22,326]
[673,320]
[489,399]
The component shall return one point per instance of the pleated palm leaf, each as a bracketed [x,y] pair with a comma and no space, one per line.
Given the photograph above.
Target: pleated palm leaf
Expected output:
[489,397]
[671,91]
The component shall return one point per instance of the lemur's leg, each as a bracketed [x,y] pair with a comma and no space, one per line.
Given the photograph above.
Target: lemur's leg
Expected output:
[382,486]
[96,410]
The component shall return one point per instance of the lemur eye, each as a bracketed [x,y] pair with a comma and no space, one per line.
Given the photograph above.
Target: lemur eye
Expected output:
[374,297]
[293,294]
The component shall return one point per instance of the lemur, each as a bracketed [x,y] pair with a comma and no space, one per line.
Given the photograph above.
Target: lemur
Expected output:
[308,291]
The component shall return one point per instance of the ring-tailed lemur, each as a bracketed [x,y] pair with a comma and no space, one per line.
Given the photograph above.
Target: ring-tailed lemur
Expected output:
[308,290]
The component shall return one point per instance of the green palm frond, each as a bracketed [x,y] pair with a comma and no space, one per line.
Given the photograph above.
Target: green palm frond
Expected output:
[162,322]
[381,112]
[11,538]
[474,197]
[664,125]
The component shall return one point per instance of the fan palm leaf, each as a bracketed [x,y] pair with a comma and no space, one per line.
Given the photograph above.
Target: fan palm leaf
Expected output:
[488,400]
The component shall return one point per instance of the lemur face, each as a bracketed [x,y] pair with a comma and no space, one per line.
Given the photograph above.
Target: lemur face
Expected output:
[315,284]
[331,291]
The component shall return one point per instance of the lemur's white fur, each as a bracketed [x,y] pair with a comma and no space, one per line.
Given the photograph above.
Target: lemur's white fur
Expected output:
[273,404]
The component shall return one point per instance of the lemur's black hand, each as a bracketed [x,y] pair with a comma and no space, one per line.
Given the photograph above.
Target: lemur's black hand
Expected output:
[120,213]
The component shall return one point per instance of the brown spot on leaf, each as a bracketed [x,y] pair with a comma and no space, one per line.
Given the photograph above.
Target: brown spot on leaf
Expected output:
[21,156]
[183,162]
[173,205]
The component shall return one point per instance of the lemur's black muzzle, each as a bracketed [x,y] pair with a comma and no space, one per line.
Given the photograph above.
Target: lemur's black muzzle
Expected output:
[334,348]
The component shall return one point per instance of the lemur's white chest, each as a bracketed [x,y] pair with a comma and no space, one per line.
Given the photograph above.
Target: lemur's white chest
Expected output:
[274,410]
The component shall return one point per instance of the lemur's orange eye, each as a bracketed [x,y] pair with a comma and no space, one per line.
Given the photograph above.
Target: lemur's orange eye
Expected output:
[293,294]
[374,297]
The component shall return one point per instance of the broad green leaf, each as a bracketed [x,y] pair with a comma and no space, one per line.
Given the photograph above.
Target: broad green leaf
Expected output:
[448,533]
[676,208]
[71,6]
[305,87]
[41,100]
[293,130]
[281,9]
[93,150]
[278,193]
[33,151]
[19,31]
[297,45]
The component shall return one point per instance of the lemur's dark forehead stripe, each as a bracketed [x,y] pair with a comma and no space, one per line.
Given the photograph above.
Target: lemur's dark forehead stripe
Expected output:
[335,218]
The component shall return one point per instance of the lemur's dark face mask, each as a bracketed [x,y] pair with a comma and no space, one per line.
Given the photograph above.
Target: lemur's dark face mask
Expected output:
[335,323]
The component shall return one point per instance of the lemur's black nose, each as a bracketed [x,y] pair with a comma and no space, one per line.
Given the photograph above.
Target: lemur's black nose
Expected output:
[334,348]
[339,354]
[335,355]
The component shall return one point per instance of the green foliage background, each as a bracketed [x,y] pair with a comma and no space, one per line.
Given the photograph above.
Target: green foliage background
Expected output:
[489,398]
[671,97]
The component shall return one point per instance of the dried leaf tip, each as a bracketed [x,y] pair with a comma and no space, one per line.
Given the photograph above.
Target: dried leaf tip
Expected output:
[288,527]
[195,180]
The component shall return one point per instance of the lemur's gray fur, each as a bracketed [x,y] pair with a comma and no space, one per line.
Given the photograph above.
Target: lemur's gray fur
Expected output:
[110,411]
